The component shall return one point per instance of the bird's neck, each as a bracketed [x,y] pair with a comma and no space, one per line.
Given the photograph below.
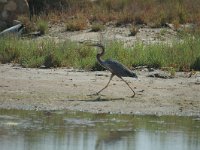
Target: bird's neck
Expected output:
[99,58]
[100,54]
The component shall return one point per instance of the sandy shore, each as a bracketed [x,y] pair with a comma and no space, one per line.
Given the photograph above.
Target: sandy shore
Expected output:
[56,89]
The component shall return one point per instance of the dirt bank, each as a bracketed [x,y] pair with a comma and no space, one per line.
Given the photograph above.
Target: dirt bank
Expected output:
[145,35]
[55,89]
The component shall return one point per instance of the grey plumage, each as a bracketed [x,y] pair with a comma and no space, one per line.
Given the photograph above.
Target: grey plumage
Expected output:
[114,67]
[118,69]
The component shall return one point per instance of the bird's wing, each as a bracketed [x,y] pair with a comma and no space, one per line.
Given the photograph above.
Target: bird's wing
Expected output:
[118,69]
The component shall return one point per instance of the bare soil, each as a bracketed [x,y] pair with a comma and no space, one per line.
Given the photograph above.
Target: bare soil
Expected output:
[145,35]
[56,89]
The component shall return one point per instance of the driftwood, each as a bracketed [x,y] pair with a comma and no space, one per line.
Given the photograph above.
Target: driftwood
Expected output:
[159,75]
[15,30]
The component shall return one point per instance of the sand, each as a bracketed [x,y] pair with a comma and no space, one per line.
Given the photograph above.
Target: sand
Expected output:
[70,89]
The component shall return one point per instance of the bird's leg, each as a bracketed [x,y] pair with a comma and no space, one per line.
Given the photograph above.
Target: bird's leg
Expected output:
[129,86]
[112,75]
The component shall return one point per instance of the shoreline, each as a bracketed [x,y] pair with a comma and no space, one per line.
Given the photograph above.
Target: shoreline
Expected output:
[69,89]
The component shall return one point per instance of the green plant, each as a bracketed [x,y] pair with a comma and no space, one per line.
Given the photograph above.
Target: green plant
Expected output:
[9,49]
[97,27]
[51,60]
[163,31]
[133,30]
[42,26]
[180,55]
[172,71]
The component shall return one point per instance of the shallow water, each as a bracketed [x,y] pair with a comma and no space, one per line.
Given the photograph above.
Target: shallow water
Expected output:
[67,130]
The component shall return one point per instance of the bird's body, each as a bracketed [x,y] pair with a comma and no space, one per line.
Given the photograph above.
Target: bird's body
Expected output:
[118,69]
[114,67]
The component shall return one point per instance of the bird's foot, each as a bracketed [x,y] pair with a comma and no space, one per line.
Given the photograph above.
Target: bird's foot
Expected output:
[133,96]
[98,98]
[94,94]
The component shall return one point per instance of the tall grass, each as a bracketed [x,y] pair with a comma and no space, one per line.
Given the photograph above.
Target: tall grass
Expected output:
[183,55]
[42,26]
[155,13]
[36,53]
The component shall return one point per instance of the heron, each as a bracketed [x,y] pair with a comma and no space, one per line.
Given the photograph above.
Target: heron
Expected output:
[115,67]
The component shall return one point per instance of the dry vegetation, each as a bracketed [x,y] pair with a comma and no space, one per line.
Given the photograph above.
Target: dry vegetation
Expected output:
[80,14]
[155,13]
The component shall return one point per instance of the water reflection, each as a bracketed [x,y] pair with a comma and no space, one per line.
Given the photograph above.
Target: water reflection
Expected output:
[59,130]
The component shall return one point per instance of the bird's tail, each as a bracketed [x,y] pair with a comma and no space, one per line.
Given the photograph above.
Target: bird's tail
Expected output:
[134,75]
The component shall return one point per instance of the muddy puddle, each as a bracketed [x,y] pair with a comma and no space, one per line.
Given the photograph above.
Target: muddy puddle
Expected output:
[67,130]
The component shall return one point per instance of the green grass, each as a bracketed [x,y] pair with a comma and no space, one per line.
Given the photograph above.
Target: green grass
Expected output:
[45,52]
[183,55]
[42,26]
[97,27]
[133,30]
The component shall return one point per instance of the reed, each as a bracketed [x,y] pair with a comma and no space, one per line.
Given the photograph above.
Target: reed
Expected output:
[180,55]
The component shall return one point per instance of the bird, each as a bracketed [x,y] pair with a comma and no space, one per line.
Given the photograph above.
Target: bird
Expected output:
[115,67]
